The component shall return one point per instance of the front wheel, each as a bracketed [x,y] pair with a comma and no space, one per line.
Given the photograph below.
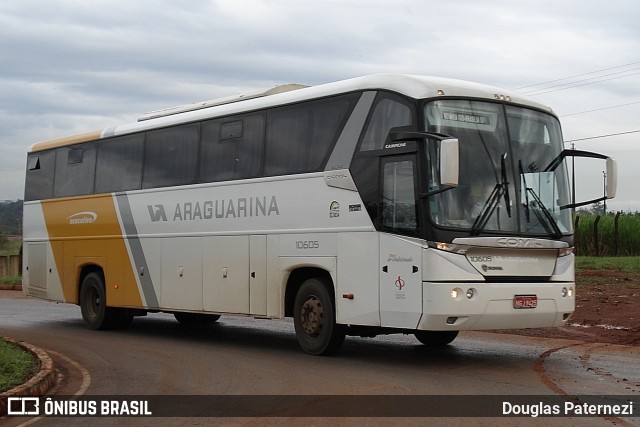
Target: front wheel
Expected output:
[93,305]
[314,319]
[436,338]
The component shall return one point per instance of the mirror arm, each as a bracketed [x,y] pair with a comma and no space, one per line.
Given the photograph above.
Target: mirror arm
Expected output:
[572,153]
[588,202]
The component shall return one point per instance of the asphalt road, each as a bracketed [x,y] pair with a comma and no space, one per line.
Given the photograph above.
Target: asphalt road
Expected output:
[249,357]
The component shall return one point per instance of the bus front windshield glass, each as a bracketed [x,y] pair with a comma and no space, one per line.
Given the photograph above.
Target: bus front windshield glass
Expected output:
[503,185]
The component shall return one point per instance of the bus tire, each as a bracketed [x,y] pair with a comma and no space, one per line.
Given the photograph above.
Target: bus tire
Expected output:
[314,319]
[93,305]
[195,319]
[436,338]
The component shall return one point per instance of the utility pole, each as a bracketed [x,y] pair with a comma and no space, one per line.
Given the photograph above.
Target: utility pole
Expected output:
[573,182]
[604,190]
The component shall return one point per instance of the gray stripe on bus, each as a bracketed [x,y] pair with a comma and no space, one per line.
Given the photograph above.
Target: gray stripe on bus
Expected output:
[346,145]
[131,234]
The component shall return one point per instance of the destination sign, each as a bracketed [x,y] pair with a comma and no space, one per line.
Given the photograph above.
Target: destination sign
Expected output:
[477,119]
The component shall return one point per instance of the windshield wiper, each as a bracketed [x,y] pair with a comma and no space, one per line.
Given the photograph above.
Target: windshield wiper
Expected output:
[526,193]
[557,233]
[505,184]
[500,190]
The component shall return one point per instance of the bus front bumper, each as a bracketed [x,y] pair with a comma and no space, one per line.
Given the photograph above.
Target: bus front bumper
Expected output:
[481,305]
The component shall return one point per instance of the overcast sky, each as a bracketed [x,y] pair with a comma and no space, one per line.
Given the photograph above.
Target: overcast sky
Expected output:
[71,66]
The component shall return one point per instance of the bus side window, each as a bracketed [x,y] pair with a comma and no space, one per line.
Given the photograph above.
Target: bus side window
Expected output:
[119,164]
[75,170]
[171,156]
[39,182]
[301,136]
[232,148]
[387,114]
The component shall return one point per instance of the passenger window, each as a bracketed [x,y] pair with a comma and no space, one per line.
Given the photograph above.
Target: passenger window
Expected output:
[232,148]
[39,181]
[75,170]
[171,156]
[299,137]
[119,164]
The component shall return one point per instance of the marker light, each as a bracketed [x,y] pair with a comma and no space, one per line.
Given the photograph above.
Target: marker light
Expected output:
[449,247]
[471,293]
[564,252]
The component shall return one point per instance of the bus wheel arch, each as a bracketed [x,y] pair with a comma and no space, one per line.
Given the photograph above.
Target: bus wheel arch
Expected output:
[93,302]
[314,311]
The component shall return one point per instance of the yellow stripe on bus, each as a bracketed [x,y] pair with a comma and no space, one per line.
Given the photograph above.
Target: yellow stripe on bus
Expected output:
[69,140]
[85,231]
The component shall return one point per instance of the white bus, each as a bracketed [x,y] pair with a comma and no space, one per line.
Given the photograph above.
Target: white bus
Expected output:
[381,204]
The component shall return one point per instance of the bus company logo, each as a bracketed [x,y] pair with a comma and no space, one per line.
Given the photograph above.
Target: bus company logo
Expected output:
[400,283]
[334,209]
[513,242]
[242,207]
[87,217]
[487,268]
[157,213]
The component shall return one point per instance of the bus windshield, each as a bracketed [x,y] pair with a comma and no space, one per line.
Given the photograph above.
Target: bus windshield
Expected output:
[503,185]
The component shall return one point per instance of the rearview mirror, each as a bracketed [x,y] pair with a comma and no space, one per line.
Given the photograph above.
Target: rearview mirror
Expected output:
[612,175]
[449,162]
[446,149]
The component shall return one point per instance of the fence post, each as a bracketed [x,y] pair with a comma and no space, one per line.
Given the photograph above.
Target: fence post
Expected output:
[576,239]
[615,234]
[595,235]
[14,265]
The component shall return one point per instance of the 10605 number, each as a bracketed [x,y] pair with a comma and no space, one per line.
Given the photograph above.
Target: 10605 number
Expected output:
[307,244]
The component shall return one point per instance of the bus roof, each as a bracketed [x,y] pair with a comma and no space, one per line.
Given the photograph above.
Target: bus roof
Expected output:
[418,87]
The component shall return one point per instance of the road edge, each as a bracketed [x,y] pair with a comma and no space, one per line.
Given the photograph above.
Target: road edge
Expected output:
[37,385]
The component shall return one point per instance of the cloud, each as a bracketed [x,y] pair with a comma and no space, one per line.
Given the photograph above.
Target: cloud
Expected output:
[72,66]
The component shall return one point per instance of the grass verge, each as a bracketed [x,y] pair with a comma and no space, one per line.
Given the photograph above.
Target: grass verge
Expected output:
[10,248]
[625,264]
[11,280]
[16,365]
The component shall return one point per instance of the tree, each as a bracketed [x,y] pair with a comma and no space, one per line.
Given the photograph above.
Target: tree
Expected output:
[11,218]
[4,241]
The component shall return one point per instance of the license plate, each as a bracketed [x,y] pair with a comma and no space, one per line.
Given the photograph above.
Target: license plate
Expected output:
[525,301]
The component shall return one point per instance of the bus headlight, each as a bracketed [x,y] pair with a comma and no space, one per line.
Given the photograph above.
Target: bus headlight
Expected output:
[567,292]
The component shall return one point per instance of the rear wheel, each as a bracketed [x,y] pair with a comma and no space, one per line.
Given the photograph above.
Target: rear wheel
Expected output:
[436,338]
[314,319]
[93,305]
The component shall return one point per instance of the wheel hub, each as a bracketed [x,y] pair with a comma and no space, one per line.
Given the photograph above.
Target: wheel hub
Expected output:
[312,316]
